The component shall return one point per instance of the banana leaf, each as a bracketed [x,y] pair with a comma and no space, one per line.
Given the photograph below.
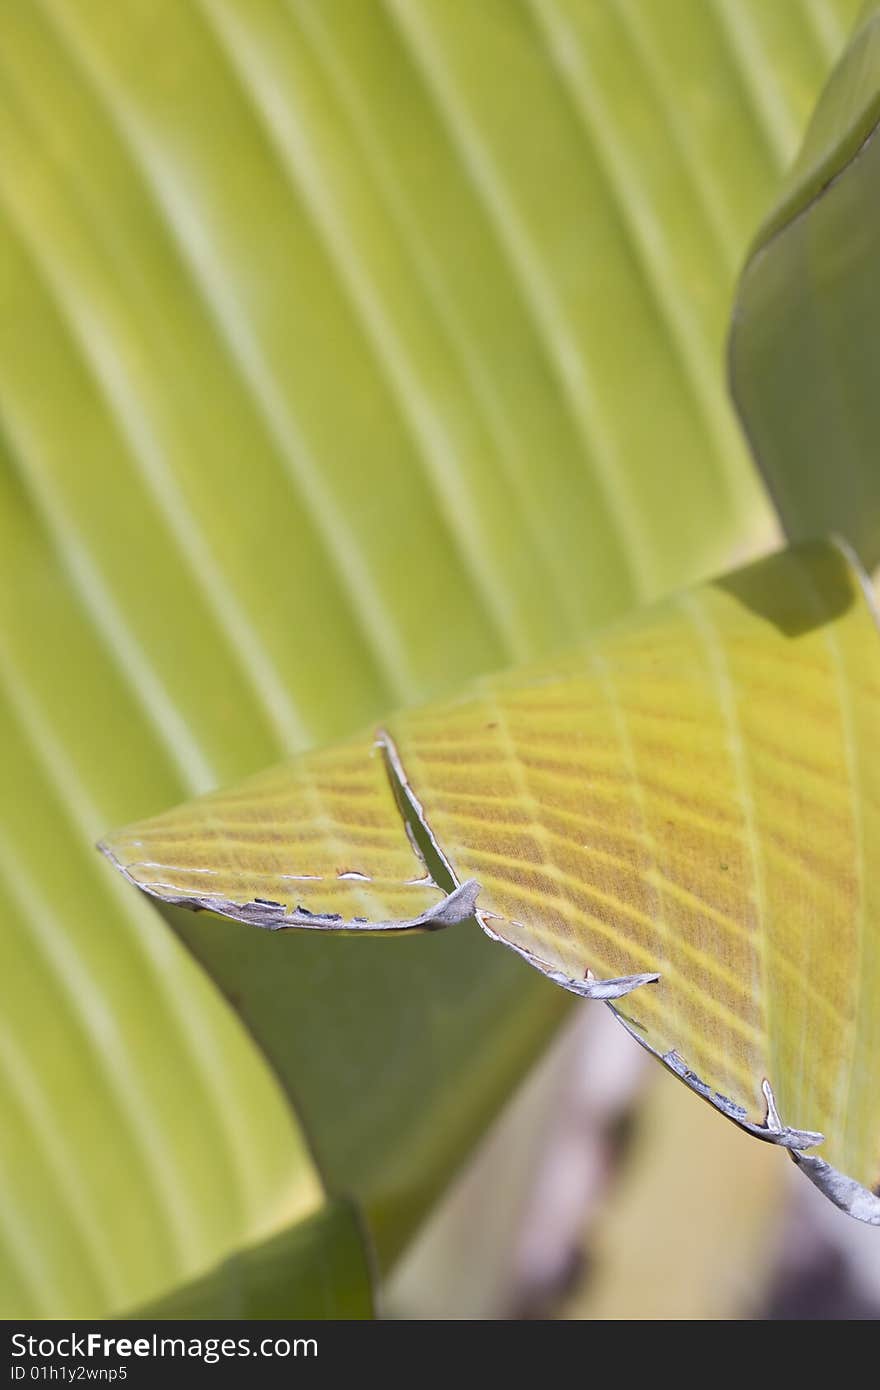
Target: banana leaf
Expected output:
[679,816]
[322,390]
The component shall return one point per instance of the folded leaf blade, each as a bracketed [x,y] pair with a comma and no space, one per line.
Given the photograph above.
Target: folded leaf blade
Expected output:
[691,794]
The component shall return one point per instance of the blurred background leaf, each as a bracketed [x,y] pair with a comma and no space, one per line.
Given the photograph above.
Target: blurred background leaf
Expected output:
[316,1269]
[687,1232]
[558,1146]
[805,331]
[347,350]
[679,813]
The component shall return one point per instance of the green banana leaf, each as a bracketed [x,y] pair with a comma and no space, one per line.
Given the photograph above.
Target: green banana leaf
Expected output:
[322,389]
[807,318]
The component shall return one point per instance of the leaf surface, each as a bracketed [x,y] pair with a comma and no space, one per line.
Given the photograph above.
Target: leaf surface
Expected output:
[321,391]
[679,815]
[807,317]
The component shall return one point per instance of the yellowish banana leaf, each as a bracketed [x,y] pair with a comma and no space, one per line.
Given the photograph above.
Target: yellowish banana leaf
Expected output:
[680,815]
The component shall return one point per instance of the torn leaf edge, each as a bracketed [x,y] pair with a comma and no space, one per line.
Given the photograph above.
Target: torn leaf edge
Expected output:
[846,1193]
[458,905]
[412,808]
[843,1192]
[770,1133]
